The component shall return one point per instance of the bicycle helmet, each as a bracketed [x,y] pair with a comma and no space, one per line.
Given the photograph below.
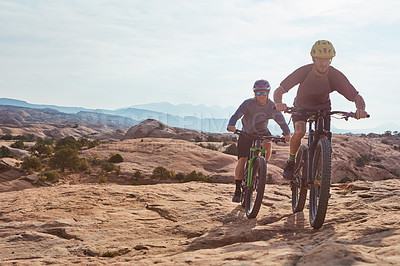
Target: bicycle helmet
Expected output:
[261,85]
[323,49]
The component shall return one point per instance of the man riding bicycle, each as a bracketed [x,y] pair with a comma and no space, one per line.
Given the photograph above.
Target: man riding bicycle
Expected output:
[256,112]
[316,81]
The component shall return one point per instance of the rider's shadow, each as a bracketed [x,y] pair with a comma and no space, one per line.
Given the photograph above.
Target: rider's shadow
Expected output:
[238,214]
[235,228]
[295,221]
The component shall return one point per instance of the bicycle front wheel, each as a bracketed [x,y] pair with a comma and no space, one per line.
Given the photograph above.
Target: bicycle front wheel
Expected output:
[255,193]
[319,189]
[299,184]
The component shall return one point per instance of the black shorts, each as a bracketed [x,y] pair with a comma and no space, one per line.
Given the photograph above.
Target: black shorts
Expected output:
[303,117]
[244,145]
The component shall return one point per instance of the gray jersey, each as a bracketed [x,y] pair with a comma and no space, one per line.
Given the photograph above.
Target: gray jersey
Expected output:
[255,117]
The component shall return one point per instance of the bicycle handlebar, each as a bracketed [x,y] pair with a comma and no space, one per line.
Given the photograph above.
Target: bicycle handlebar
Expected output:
[261,136]
[306,111]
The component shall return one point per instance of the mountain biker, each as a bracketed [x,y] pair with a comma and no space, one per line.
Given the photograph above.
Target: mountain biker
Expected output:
[255,112]
[317,81]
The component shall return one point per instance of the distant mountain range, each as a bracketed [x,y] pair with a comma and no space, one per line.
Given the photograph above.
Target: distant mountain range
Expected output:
[198,117]
[182,110]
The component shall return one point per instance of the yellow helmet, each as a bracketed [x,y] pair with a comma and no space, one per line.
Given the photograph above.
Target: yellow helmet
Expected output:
[323,49]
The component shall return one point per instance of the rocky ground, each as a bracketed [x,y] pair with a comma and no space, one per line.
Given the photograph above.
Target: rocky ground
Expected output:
[195,224]
[79,221]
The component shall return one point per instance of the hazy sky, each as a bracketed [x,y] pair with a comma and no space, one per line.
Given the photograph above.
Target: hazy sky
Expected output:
[114,54]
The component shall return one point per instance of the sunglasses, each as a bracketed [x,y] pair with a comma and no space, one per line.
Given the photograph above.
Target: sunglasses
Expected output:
[264,93]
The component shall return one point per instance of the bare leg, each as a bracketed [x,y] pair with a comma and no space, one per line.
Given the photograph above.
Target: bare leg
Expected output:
[239,171]
[267,146]
[299,132]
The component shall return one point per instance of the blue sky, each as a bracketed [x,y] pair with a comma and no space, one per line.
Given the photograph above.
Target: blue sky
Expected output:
[114,54]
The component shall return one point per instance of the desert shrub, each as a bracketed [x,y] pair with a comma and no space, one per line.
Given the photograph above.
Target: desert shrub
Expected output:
[229,139]
[194,176]
[375,159]
[94,159]
[108,167]
[93,143]
[212,147]
[232,149]
[161,173]
[345,179]
[173,174]
[102,178]
[198,139]
[85,142]
[41,149]
[49,142]
[68,142]
[116,158]
[114,253]
[209,146]
[51,176]
[117,170]
[180,176]
[387,133]
[212,139]
[5,152]
[29,137]
[84,164]
[31,163]
[7,137]
[137,174]
[66,158]
[362,160]
[19,144]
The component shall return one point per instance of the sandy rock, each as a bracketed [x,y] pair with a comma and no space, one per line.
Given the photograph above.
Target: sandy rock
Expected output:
[56,131]
[174,154]
[156,129]
[195,223]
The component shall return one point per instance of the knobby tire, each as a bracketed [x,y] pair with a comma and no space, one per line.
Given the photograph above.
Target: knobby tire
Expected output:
[319,189]
[243,187]
[299,184]
[254,194]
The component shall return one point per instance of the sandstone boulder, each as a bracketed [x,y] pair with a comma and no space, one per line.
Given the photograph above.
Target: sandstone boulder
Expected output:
[156,129]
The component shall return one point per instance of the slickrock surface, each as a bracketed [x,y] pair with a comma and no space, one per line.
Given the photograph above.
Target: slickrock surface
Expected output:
[195,224]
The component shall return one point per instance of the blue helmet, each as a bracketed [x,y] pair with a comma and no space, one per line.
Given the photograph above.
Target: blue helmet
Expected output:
[261,85]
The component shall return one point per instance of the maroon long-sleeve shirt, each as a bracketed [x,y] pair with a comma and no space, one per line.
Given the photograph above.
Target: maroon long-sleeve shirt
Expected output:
[313,91]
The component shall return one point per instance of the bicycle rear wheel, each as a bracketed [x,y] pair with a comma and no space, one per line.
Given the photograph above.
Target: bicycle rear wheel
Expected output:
[299,184]
[319,189]
[255,193]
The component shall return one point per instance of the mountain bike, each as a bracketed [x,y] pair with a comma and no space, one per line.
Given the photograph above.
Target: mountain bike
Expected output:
[313,165]
[254,178]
